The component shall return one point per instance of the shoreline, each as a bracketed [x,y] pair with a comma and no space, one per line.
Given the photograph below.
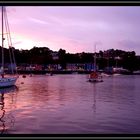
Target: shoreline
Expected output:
[68,72]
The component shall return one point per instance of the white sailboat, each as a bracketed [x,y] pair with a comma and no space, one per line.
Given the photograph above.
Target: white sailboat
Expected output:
[6,81]
[95,76]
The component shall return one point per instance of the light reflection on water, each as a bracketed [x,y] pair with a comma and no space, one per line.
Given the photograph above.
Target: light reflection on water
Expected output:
[70,104]
[6,117]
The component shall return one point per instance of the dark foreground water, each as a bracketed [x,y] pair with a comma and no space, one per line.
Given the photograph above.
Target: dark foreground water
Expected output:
[66,104]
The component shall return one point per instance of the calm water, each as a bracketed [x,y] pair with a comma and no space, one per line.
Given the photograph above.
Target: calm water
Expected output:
[69,104]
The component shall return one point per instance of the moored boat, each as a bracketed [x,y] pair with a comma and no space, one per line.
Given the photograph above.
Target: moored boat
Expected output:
[95,76]
[7,81]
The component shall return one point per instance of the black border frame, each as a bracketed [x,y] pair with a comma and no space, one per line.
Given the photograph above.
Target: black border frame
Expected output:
[70,3]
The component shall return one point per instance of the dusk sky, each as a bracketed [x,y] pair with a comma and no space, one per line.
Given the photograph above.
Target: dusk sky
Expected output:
[75,28]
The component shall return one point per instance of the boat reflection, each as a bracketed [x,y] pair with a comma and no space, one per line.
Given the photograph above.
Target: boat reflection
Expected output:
[4,118]
[8,89]
[94,97]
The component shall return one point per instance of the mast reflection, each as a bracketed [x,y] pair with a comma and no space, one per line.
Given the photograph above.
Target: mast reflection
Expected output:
[94,97]
[3,119]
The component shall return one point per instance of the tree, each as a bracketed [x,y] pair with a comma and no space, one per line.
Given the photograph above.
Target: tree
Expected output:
[62,56]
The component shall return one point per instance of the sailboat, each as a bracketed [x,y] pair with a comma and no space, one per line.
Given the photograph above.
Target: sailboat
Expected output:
[7,81]
[95,76]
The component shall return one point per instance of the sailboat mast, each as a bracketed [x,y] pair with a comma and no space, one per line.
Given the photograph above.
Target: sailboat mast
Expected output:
[95,59]
[2,41]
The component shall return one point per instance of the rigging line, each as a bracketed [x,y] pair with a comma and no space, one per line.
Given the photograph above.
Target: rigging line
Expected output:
[2,42]
[8,40]
[14,61]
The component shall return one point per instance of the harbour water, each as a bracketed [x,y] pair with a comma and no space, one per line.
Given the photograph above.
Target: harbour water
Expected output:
[68,104]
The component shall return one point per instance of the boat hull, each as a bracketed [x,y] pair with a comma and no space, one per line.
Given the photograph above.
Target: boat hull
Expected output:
[7,81]
[94,80]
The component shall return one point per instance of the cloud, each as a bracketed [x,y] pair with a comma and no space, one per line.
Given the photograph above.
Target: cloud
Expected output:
[18,42]
[71,27]
[37,20]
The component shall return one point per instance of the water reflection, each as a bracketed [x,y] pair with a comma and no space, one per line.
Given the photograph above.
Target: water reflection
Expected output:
[3,118]
[3,114]
[94,97]
[69,104]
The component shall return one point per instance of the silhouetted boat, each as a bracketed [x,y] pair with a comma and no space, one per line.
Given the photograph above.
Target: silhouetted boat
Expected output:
[10,80]
[136,72]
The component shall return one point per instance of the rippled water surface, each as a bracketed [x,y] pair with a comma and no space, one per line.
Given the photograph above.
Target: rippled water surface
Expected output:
[66,104]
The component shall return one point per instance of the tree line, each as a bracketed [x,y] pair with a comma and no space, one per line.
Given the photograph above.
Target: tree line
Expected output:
[43,55]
